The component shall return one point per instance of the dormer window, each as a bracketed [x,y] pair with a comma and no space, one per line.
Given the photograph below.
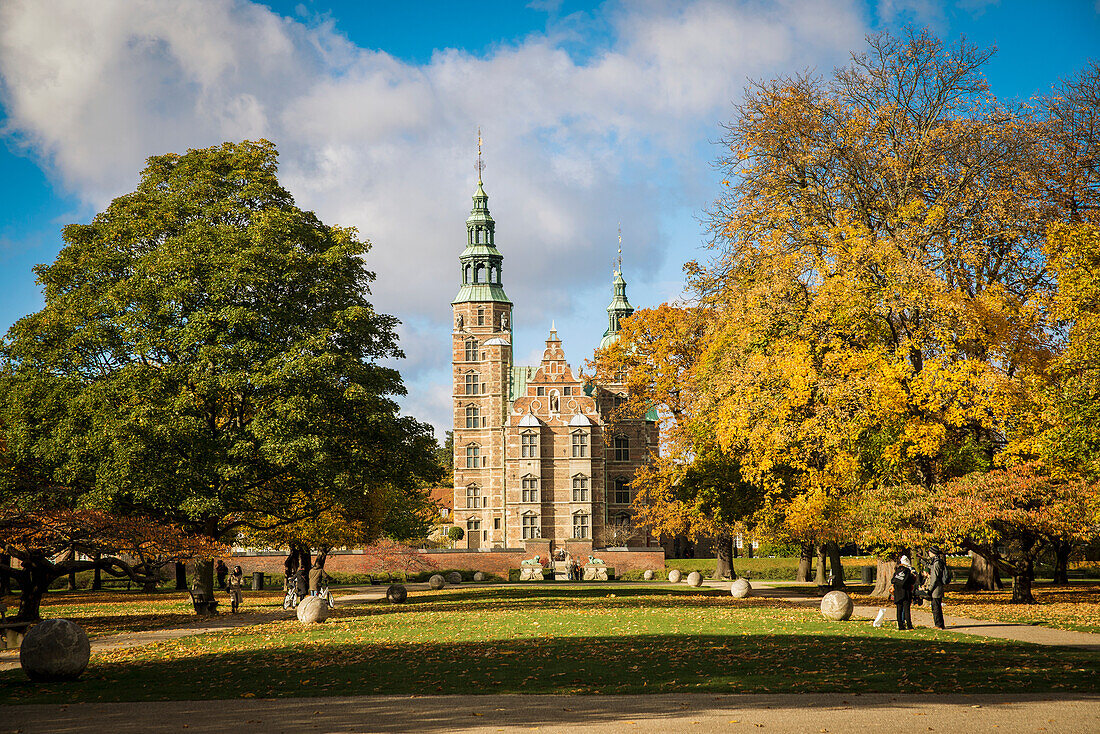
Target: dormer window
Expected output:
[580,444]
[529,445]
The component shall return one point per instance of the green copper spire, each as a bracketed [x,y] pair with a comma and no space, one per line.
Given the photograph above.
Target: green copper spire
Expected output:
[619,307]
[481,261]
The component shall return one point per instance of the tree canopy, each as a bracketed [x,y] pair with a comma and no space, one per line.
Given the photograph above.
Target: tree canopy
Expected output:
[207,356]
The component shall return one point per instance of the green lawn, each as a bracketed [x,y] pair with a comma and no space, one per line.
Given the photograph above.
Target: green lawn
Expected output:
[610,639]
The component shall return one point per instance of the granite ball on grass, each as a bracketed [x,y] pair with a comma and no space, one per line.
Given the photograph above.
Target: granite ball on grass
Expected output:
[674,575]
[397,594]
[436,582]
[454,578]
[648,575]
[695,579]
[55,650]
[741,589]
[479,576]
[313,610]
[837,605]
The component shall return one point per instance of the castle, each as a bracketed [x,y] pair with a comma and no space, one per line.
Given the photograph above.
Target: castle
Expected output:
[536,463]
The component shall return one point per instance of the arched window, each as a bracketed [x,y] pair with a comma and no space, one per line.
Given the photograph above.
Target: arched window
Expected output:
[529,445]
[473,416]
[479,273]
[472,385]
[474,459]
[580,525]
[466,274]
[580,444]
[580,488]
[473,496]
[471,350]
[622,448]
[530,489]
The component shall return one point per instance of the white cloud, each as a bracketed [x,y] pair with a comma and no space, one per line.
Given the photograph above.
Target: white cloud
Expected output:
[372,141]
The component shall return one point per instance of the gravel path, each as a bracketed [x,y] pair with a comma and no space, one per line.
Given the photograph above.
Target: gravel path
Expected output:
[802,712]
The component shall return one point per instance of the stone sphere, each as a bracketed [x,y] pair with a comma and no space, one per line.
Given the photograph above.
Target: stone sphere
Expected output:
[454,578]
[648,575]
[55,650]
[313,610]
[397,594]
[674,575]
[837,605]
[741,589]
[695,579]
[436,582]
[479,576]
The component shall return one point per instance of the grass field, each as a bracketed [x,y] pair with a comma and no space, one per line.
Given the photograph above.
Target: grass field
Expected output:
[607,639]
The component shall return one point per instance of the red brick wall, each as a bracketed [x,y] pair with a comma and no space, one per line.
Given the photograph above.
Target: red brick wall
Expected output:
[498,562]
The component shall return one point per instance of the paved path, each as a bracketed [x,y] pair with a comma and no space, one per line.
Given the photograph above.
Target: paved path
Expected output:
[921,618]
[802,712]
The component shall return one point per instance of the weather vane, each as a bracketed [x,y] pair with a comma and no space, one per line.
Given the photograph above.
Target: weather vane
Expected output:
[619,261]
[480,164]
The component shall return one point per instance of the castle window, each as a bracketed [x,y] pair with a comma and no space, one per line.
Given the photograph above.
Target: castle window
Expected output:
[622,492]
[479,273]
[530,490]
[567,390]
[531,527]
[580,525]
[473,456]
[580,489]
[473,526]
[473,415]
[496,523]
[472,385]
[481,317]
[622,448]
[471,350]
[473,496]
[466,275]
[540,391]
[580,445]
[528,445]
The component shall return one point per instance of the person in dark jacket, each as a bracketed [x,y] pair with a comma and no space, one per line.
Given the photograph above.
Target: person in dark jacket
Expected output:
[904,581]
[937,584]
[222,571]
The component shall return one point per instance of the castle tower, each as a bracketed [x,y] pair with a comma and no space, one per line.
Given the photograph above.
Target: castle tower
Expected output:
[619,308]
[481,359]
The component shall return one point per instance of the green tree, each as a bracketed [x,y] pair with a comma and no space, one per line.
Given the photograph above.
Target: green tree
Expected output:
[207,355]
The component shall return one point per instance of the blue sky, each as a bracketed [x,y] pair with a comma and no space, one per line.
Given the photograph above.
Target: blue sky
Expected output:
[593,113]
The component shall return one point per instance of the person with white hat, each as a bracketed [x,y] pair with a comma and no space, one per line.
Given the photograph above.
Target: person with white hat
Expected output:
[904,581]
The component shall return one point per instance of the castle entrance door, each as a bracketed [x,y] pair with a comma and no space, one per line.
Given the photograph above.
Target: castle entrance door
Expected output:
[473,534]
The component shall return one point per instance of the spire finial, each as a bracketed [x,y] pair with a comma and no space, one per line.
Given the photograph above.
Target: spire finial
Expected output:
[480,165]
[620,263]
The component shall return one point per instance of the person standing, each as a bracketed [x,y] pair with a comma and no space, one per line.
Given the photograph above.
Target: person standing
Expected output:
[222,571]
[938,574]
[234,584]
[316,580]
[904,581]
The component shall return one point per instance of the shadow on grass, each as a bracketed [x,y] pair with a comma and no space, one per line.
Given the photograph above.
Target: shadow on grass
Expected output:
[332,662]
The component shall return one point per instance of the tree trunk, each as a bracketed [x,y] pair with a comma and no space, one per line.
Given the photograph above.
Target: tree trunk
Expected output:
[835,565]
[97,575]
[883,573]
[34,582]
[181,576]
[1021,585]
[805,563]
[1061,562]
[206,576]
[5,579]
[820,579]
[735,551]
[748,549]
[723,566]
[71,586]
[983,574]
